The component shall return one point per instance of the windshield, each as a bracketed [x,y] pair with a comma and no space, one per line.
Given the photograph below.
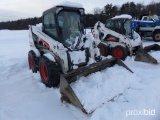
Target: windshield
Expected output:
[69,25]
[127,28]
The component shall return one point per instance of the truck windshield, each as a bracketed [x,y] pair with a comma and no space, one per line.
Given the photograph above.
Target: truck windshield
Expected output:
[69,25]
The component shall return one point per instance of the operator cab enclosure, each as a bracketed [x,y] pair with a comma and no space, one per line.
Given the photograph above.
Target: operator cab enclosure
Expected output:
[63,23]
[120,25]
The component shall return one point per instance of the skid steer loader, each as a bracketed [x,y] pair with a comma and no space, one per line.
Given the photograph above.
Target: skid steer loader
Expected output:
[54,45]
[116,38]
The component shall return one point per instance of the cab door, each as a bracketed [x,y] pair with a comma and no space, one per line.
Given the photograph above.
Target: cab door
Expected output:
[49,26]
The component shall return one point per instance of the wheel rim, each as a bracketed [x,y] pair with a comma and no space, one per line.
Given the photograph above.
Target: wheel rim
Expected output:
[44,72]
[31,63]
[157,36]
[118,53]
[102,50]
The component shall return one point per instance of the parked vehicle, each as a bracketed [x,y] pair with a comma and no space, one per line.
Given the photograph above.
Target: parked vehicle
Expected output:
[148,26]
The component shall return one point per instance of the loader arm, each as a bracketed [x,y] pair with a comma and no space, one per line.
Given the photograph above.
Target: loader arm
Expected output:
[50,45]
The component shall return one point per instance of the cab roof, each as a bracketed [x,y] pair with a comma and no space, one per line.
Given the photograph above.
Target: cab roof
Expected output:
[55,9]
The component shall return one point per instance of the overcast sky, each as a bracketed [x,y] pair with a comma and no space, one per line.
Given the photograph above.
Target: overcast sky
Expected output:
[17,9]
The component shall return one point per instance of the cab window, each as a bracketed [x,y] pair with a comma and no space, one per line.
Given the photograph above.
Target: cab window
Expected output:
[69,25]
[49,25]
[109,25]
[145,18]
[127,28]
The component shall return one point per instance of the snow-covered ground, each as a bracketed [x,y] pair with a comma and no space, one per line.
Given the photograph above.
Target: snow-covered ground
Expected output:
[24,97]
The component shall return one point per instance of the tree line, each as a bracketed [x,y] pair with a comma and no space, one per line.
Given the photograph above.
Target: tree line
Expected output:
[21,24]
[131,8]
[99,14]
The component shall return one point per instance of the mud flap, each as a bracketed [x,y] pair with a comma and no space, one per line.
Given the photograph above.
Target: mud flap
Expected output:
[143,56]
[66,79]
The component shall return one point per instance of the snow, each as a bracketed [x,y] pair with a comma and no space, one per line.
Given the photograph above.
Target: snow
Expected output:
[89,40]
[24,97]
[77,56]
[155,17]
[136,41]
[100,87]
[50,57]
[123,16]
[39,26]
[36,51]
[70,4]
[144,21]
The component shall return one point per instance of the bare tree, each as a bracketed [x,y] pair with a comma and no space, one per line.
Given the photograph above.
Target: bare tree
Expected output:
[97,10]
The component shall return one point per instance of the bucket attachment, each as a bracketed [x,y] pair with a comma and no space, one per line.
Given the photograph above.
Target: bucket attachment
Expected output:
[66,79]
[143,56]
[154,47]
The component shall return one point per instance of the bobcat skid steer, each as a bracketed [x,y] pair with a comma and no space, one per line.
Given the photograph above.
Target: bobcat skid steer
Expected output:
[61,51]
[116,38]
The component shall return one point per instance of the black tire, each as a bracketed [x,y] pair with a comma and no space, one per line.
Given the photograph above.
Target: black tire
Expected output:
[119,52]
[49,71]
[32,61]
[87,54]
[156,36]
[138,28]
[103,49]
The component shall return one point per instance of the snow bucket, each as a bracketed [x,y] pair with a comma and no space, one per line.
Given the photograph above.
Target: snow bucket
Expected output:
[68,94]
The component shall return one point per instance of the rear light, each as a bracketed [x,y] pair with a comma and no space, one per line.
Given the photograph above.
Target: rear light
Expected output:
[113,39]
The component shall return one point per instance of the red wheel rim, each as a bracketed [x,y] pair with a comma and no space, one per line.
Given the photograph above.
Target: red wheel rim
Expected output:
[31,63]
[118,53]
[44,72]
